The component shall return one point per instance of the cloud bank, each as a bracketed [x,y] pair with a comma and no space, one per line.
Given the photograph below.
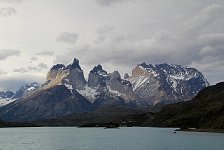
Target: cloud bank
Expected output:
[68,38]
[7,12]
[5,53]
[189,43]
[12,1]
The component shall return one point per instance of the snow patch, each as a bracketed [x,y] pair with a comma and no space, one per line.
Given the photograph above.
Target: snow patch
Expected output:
[174,84]
[183,76]
[88,92]
[6,101]
[138,81]
[178,77]
[31,89]
[69,87]
[114,91]
[150,70]
[101,73]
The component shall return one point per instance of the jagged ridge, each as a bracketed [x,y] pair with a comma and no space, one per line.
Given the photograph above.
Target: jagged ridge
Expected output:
[148,85]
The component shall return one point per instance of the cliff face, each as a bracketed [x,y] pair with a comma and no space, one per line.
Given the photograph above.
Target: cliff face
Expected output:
[71,76]
[110,85]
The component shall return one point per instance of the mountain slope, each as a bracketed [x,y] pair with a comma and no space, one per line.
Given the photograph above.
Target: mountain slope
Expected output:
[6,97]
[205,111]
[100,116]
[50,103]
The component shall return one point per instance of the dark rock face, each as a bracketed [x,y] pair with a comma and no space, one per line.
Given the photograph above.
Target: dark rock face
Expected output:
[50,103]
[104,99]
[181,82]
[75,79]
[97,77]
[126,76]
[98,70]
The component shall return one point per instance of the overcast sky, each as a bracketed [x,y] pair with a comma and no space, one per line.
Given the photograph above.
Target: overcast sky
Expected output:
[35,34]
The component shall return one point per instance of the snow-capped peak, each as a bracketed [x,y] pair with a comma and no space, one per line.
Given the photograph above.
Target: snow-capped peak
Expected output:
[173,81]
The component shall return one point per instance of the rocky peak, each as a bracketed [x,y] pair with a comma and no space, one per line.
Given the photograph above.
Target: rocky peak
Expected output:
[120,87]
[57,67]
[98,70]
[140,71]
[74,65]
[71,76]
[172,82]
[126,76]
[115,75]
[97,77]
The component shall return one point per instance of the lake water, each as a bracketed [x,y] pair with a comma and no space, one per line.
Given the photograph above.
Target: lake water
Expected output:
[136,138]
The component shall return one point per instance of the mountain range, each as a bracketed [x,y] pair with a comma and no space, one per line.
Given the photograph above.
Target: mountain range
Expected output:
[67,91]
[205,112]
[9,96]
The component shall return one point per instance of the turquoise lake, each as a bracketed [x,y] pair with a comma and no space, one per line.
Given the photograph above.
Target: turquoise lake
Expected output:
[135,138]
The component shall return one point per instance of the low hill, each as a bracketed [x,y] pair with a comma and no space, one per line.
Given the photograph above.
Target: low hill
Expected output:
[205,111]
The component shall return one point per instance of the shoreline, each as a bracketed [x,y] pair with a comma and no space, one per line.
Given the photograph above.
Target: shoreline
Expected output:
[202,130]
[176,130]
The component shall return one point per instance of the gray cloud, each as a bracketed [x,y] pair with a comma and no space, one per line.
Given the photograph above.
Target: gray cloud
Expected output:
[190,43]
[42,66]
[7,12]
[46,53]
[68,38]
[21,70]
[103,33]
[185,32]
[110,2]
[31,68]
[34,58]
[39,67]
[2,72]
[205,17]
[12,1]
[5,53]
[105,29]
